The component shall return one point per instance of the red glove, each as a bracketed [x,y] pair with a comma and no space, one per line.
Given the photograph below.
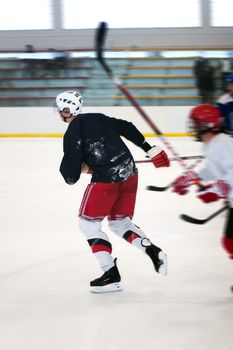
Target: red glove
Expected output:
[158,157]
[214,192]
[183,182]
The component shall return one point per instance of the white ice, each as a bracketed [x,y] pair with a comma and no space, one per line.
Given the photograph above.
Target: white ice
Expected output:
[46,264]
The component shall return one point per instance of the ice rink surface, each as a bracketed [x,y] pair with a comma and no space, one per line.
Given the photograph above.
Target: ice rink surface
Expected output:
[46,264]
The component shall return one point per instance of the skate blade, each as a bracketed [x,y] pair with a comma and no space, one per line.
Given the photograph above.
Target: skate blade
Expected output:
[113,287]
[163,268]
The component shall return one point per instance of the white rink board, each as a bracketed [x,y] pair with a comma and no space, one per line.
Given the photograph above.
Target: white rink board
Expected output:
[46,120]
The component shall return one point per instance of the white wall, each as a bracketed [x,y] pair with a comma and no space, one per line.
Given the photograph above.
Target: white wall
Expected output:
[45,120]
[203,38]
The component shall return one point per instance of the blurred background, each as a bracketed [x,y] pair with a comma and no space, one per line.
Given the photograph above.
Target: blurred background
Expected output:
[155,48]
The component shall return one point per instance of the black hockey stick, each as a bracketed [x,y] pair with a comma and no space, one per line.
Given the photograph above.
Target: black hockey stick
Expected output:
[164,188]
[99,43]
[159,188]
[196,221]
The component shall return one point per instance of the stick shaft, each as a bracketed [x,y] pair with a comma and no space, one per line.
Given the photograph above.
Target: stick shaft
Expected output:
[100,38]
[197,221]
[217,213]
[171,159]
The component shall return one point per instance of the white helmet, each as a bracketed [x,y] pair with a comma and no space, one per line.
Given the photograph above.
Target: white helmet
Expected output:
[70,99]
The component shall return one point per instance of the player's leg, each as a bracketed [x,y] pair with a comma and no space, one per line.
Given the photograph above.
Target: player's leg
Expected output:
[227,239]
[97,201]
[121,224]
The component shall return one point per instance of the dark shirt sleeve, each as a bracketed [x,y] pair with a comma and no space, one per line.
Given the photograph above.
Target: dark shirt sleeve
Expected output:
[131,133]
[70,167]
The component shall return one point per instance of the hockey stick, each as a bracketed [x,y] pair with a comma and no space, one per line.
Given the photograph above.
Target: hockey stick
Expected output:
[161,189]
[99,43]
[172,159]
[196,221]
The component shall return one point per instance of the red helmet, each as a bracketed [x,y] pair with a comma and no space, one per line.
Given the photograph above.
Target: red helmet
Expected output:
[205,117]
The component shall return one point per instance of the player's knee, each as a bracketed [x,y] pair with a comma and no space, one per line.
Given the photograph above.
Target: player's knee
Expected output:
[88,227]
[120,226]
[227,243]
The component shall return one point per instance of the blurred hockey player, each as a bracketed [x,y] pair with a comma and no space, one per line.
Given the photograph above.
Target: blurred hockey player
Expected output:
[205,123]
[225,103]
[93,144]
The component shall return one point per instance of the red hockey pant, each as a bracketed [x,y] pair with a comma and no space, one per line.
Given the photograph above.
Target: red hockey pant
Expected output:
[114,200]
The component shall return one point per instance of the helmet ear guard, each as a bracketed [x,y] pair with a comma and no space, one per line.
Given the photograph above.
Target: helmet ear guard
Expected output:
[70,99]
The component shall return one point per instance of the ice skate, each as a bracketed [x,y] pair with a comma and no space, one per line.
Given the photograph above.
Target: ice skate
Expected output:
[159,259]
[108,282]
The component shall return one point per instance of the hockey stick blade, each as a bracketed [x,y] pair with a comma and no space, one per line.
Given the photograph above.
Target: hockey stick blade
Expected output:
[100,36]
[164,188]
[99,46]
[157,188]
[196,221]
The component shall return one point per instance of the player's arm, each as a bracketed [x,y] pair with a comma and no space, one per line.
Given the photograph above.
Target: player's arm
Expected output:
[131,133]
[70,169]
[222,187]
[71,164]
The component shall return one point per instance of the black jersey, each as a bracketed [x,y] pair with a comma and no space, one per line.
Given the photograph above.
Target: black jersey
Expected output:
[95,139]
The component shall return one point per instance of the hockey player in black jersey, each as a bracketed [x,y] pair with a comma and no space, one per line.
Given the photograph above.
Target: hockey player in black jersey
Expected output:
[93,143]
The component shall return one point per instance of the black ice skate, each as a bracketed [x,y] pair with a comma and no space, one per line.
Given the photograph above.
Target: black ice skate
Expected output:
[158,258]
[108,282]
